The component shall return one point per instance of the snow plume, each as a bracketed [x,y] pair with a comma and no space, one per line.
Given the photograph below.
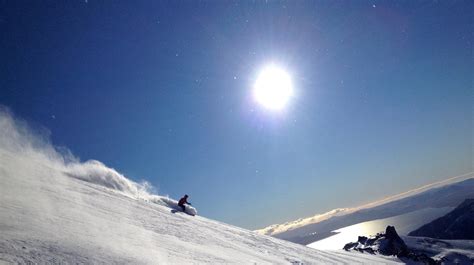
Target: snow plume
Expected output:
[19,140]
[96,172]
[16,137]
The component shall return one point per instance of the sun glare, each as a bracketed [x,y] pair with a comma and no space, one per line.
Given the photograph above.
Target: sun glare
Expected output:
[273,88]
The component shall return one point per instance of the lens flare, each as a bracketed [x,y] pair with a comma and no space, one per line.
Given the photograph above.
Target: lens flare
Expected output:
[273,88]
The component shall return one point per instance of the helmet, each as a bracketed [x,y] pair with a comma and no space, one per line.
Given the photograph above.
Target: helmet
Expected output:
[186,195]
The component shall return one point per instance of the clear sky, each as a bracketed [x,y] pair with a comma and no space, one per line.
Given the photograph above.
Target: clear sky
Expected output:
[162,91]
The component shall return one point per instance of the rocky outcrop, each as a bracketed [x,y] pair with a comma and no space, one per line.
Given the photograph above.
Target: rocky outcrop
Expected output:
[388,244]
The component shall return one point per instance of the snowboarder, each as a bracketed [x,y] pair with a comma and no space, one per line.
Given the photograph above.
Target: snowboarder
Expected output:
[183,201]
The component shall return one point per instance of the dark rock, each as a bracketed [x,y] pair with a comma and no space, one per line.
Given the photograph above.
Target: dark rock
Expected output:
[388,244]
[392,244]
[371,241]
[362,239]
[348,246]
[369,250]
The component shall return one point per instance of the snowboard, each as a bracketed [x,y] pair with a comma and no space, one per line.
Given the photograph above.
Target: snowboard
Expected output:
[188,211]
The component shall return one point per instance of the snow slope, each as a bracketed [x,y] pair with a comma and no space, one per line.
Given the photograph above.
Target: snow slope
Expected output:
[55,210]
[458,251]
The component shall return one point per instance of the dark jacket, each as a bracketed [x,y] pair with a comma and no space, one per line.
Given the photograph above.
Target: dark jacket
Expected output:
[183,201]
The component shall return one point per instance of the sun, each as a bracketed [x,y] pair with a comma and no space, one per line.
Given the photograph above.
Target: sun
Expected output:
[273,88]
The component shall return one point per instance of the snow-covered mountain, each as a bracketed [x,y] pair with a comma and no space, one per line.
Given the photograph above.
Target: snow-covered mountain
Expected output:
[56,210]
[433,200]
[457,224]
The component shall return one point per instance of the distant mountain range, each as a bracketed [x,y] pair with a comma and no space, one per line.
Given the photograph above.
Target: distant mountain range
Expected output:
[449,193]
[457,224]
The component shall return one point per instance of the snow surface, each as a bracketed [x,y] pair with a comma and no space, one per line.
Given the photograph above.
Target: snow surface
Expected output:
[55,210]
[456,251]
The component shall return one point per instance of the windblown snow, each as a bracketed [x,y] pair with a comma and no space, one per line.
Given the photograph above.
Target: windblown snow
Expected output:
[55,209]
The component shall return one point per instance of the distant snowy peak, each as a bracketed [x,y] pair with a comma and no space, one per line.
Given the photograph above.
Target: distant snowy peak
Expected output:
[280,228]
[457,224]
[447,193]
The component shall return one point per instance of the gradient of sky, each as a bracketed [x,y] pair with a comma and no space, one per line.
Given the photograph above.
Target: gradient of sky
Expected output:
[161,90]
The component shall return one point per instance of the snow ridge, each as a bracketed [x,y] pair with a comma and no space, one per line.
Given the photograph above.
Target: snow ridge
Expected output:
[280,228]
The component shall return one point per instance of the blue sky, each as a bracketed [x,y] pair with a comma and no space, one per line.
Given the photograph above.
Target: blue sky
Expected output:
[161,90]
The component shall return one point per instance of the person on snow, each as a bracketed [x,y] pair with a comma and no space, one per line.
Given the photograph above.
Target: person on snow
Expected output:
[183,201]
